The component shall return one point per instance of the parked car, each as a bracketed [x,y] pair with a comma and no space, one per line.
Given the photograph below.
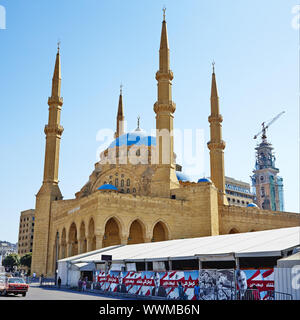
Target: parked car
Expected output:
[13,285]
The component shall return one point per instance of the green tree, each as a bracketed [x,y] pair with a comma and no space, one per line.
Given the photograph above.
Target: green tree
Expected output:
[26,260]
[11,261]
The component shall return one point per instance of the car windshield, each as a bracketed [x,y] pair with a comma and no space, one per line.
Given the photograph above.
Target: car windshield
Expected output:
[16,280]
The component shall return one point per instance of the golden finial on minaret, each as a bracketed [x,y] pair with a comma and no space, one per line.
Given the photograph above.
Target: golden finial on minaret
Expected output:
[164,11]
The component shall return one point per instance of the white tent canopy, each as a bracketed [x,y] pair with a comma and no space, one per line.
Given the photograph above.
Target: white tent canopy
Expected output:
[223,247]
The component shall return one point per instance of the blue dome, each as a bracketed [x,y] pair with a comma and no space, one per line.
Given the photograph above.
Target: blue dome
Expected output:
[253,205]
[204,180]
[108,187]
[182,177]
[137,137]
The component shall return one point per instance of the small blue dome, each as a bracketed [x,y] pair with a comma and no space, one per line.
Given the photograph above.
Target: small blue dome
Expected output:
[253,205]
[182,177]
[137,137]
[108,187]
[204,180]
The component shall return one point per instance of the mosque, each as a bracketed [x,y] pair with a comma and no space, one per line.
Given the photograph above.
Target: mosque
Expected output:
[137,193]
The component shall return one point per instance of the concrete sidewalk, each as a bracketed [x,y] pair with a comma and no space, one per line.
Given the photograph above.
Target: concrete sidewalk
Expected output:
[127,296]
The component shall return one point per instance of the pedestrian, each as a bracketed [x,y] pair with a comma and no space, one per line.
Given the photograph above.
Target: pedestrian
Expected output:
[79,284]
[41,279]
[84,285]
[197,291]
[59,282]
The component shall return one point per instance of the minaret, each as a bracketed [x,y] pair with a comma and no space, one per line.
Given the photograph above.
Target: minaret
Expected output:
[164,178]
[216,145]
[120,116]
[49,190]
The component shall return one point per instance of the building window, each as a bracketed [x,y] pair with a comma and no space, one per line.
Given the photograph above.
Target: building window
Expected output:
[233,200]
[128,190]
[238,201]
[122,183]
[134,190]
[128,182]
[138,152]
[116,182]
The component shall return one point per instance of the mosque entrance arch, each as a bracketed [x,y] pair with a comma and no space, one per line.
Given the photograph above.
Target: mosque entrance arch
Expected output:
[233,230]
[63,251]
[73,240]
[91,236]
[112,233]
[82,239]
[136,232]
[160,232]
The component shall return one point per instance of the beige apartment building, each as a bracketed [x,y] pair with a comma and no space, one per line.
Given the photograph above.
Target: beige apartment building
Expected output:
[26,230]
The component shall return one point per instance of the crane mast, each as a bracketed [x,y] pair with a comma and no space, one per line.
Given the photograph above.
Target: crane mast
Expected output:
[265,127]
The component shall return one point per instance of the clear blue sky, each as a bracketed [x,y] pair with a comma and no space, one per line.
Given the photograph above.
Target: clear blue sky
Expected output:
[106,42]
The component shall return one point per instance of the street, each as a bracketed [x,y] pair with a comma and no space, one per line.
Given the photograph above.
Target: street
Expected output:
[37,293]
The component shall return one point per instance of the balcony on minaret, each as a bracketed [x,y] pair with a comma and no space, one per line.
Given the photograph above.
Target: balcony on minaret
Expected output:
[56,129]
[160,75]
[56,101]
[168,106]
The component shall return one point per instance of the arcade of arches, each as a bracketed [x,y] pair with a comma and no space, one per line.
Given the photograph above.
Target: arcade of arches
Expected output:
[76,240]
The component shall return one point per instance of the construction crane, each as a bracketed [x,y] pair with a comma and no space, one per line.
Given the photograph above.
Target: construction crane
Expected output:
[264,128]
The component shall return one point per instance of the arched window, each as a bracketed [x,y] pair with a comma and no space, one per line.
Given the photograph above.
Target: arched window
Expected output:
[134,190]
[128,182]
[116,182]
[122,183]
[128,190]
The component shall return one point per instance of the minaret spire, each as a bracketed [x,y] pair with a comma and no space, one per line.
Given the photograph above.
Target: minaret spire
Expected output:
[216,145]
[164,178]
[56,80]
[120,115]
